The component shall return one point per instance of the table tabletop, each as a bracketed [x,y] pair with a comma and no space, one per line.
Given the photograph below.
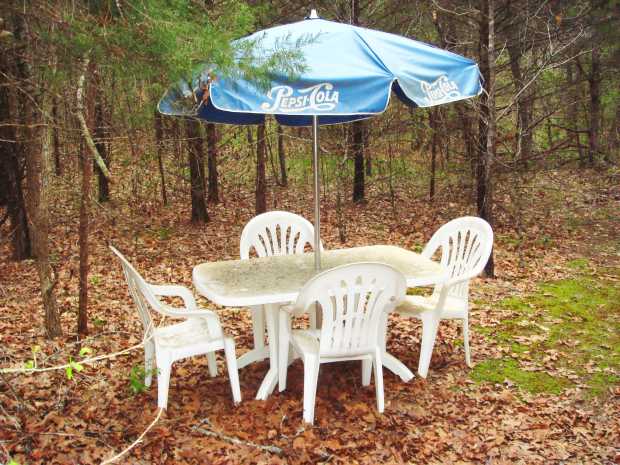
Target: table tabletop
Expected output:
[278,279]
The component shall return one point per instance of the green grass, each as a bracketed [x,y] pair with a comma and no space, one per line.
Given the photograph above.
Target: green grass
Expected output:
[501,370]
[576,319]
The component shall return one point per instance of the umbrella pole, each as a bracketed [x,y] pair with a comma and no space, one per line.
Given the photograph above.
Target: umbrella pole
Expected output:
[317,200]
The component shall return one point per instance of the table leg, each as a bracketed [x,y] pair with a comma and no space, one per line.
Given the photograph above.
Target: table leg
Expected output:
[260,351]
[251,356]
[271,378]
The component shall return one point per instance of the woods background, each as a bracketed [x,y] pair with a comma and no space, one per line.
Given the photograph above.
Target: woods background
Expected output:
[86,161]
[80,82]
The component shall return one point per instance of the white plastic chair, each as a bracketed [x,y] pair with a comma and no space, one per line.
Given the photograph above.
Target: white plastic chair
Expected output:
[268,234]
[200,333]
[466,245]
[353,300]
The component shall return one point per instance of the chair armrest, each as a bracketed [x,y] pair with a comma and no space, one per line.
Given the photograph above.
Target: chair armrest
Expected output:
[191,310]
[172,290]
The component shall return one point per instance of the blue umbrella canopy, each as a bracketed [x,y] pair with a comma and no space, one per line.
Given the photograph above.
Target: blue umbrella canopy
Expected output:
[349,74]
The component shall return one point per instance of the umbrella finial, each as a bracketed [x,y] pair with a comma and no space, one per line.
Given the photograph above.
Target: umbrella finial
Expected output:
[313,14]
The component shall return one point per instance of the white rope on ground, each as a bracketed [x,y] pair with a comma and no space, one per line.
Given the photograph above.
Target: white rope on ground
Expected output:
[87,361]
[136,442]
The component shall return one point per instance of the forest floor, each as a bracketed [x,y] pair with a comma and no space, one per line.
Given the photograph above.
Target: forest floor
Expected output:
[545,386]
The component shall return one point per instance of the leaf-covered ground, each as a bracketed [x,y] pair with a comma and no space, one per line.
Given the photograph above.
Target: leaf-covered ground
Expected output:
[545,340]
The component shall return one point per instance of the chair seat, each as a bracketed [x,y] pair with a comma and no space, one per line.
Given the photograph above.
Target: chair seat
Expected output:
[185,334]
[416,305]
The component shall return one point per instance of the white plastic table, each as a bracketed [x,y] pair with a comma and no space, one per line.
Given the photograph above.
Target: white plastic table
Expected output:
[274,281]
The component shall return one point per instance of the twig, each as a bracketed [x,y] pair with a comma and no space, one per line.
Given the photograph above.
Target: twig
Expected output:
[66,365]
[236,441]
[136,442]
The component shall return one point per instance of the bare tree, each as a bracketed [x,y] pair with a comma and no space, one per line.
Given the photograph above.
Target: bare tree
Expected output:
[197,171]
[212,140]
[261,182]
[282,156]
[487,140]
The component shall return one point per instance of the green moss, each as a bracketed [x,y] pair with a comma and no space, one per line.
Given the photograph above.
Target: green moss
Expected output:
[600,383]
[580,264]
[500,370]
[578,319]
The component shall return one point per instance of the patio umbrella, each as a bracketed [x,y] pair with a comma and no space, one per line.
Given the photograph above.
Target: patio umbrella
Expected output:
[349,74]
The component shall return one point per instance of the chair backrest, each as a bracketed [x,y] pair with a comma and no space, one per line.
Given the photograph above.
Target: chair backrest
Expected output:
[353,299]
[466,245]
[276,233]
[140,292]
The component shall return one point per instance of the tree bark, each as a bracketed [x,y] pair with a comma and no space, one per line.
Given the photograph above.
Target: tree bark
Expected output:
[572,115]
[56,137]
[357,138]
[282,156]
[197,171]
[367,152]
[38,173]
[86,167]
[159,144]
[524,100]
[11,193]
[37,154]
[487,119]
[432,119]
[357,129]
[212,139]
[595,105]
[261,182]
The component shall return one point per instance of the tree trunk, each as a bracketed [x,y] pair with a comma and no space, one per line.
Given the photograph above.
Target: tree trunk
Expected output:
[487,119]
[595,105]
[357,138]
[38,173]
[282,156]
[159,145]
[93,113]
[197,171]
[367,152]
[11,193]
[261,182]
[56,137]
[524,101]
[432,119]
[572,117]
[99,132]
[37,153]
[212,138]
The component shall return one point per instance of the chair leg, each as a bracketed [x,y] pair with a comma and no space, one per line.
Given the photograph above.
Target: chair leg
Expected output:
[233,372]
[212,364]
[366,371]
[163,382]
[149,359]
[378,364]
[311,376]
[284,347]
[258,326]
[429,333]
[466,342]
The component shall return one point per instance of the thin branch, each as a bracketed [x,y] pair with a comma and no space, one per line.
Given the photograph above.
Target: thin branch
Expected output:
[85,131]
[136,442]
